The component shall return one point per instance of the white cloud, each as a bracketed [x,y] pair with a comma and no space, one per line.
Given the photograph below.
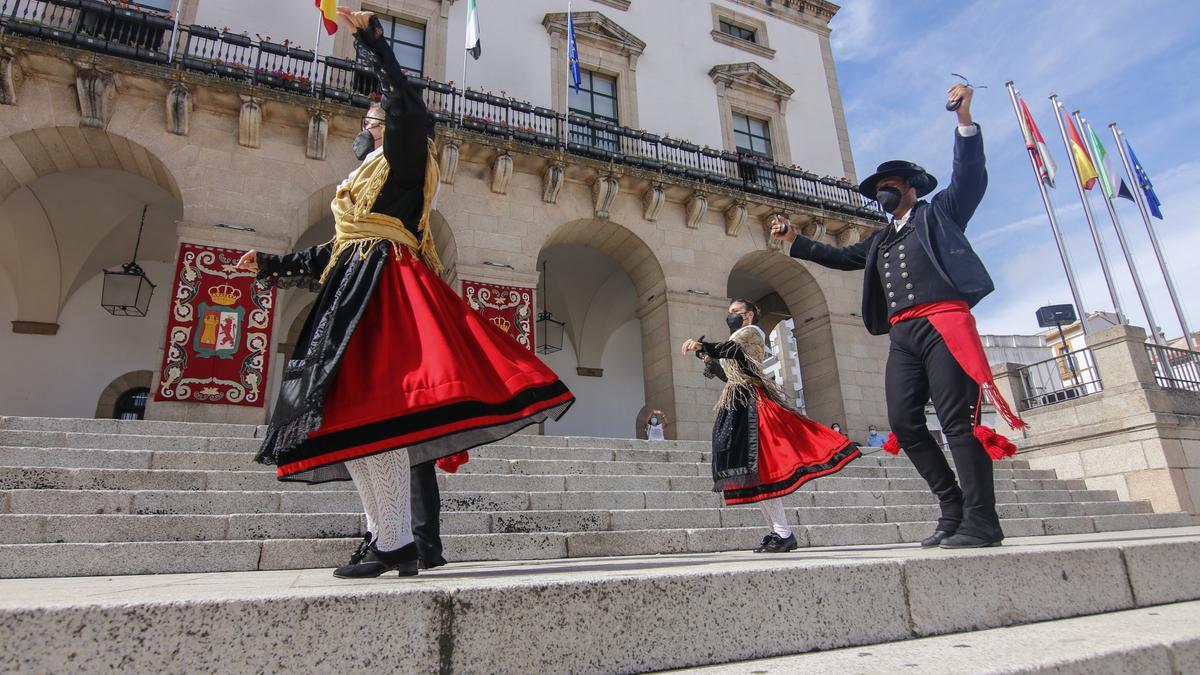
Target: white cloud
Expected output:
[856,35]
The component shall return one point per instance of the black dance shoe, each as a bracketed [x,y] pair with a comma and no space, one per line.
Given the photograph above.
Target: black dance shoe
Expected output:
[376,562]
[935,539]
[968,541]
[773,543]
[430,563]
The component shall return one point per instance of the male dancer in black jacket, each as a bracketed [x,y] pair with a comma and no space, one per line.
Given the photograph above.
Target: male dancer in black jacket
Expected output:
[921,279]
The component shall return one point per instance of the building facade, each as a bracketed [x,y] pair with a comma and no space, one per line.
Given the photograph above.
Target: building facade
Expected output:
[632,209]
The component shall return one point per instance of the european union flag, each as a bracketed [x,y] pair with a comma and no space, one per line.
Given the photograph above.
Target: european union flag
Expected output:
[573,49]
[1144,181]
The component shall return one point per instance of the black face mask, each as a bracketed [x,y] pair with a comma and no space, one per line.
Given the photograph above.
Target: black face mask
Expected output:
[364,143]
[734,321]
[888,198]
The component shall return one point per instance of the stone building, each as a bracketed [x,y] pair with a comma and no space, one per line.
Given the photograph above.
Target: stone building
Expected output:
[200,117]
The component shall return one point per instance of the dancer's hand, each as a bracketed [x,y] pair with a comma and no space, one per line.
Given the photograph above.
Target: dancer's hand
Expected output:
[690,346]
[356,20]
[782,229]
[962,91]
[248,262]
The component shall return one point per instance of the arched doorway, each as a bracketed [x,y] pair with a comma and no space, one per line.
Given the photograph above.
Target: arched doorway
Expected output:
[72,216]
[796,315]
[608,286]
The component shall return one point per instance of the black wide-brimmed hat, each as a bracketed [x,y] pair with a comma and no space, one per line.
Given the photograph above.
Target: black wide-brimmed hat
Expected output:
[916,176]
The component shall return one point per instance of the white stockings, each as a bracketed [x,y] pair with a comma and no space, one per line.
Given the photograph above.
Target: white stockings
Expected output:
[776,517]
[383,485]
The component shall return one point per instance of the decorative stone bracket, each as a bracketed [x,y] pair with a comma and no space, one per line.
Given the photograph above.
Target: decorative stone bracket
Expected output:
[697,206]
[449,167]
[179,109]
[815,229]
[11,76]
[848,236]
[735,218]
[96,91]
[552,182]
[604,193]
[318,134]
[250,122]
[502,173]
[652,201]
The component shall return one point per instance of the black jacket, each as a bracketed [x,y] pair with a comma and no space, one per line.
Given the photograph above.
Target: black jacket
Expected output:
[342,298]
[940,226]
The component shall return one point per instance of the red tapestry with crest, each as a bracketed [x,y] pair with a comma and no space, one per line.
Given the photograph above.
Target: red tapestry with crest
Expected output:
[218,331]
[509,307]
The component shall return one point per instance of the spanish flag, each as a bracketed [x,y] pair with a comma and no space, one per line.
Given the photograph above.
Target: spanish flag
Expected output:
[328,14]
[1083,161]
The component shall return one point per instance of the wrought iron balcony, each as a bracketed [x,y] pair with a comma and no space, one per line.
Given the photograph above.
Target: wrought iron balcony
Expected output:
[124,30]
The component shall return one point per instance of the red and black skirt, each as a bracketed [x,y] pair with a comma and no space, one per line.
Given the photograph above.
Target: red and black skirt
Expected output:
[424,371]
[763,450]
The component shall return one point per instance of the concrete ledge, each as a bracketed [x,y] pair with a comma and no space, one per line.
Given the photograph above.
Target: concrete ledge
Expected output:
[613,614]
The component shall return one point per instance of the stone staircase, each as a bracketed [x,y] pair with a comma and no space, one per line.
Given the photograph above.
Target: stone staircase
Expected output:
[106,497]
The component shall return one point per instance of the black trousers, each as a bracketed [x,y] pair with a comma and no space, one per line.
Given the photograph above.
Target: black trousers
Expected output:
[919,368]
[426,511]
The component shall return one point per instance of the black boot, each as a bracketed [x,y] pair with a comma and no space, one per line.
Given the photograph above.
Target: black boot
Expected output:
[377,562]
[430,563]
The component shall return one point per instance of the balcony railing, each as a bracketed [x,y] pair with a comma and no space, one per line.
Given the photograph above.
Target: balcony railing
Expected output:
[1175,368]
[126,31]
[1063,378]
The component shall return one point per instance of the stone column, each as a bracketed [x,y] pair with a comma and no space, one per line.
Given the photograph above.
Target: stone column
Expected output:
[1120,356]
[665,326]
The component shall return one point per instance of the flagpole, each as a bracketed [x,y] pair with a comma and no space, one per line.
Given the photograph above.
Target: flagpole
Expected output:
[1087,211]
[1058,237]
[462,111]
[317,47]
[1135,186]
[1116,221]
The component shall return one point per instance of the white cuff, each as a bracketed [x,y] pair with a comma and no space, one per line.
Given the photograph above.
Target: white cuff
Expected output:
[968,131]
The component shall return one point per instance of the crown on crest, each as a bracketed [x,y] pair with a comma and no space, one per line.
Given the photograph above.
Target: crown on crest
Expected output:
[224,295]
[502,322]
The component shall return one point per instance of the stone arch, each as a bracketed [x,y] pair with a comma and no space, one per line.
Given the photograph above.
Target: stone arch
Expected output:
[631,255]
[48,150]
[120,385]
[780,283]
[46,259]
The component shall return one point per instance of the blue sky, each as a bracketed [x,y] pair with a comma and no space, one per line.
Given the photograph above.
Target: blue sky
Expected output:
[1134,62]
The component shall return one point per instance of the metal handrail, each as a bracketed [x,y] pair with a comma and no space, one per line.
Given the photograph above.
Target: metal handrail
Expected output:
[1175,368]
[1062,378]
[129,32]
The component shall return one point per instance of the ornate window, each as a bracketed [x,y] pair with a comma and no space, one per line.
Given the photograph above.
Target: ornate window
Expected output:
[606,49]
[597,100]
[753,105]
[740,31]
[752,135]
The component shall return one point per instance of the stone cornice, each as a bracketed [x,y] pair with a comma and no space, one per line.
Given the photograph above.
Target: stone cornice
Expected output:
[812,14]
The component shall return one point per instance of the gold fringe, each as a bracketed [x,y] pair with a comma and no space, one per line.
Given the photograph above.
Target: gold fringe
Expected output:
[356,226]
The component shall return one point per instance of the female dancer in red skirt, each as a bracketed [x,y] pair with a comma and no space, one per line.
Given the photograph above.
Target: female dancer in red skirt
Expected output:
[392,368]
[762,448]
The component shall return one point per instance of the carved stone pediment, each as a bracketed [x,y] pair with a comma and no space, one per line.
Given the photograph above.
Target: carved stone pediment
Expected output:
[753,77]
[597,27]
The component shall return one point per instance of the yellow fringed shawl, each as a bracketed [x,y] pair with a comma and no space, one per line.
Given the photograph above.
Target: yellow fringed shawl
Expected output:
[355,225]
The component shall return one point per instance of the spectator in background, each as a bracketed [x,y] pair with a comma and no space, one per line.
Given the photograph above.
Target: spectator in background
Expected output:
[874,438]
[656,422]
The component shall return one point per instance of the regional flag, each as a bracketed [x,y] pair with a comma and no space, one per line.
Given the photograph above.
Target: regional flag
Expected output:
[1144,181]
[1111,178]
[473,44]
[1083,163]
[573,50]
[328,14]
[1037,146]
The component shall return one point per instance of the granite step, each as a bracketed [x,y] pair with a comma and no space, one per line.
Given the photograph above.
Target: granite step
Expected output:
[567,463]
[1158,639]
[641,613]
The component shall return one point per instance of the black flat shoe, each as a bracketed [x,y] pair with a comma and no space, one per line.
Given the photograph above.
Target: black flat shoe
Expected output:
[969,541]
[376,562]
[935,539]
[773,543]
[430,563]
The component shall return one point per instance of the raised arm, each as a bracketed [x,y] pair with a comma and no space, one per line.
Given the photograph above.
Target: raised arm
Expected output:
[302,268]
[839,258]
[968,180]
